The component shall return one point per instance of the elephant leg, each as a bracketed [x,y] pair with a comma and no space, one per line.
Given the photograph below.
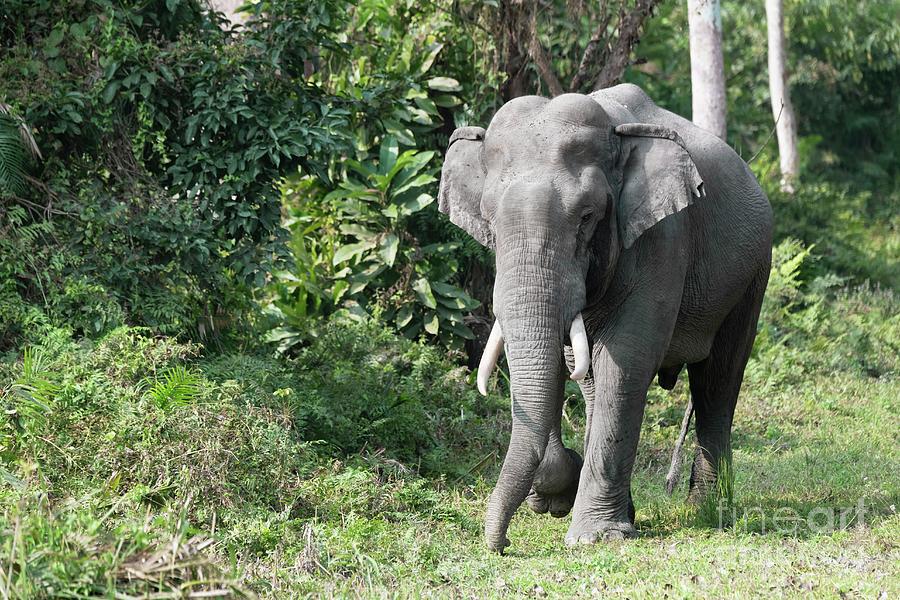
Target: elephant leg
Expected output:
[715,384]
[625,362]
[556,480]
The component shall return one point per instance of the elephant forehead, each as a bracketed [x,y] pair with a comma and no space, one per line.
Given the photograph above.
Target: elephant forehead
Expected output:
[546,143]
[536,131]
[577,109]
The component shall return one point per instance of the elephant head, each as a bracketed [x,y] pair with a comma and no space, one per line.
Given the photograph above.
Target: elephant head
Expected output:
[558,192]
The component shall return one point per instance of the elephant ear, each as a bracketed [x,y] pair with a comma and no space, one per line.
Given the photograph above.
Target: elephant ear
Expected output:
[462,179]
[659,178]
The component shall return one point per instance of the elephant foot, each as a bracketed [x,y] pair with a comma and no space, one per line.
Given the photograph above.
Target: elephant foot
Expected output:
[498,546]
[556,493]
[596,531]
[704,479]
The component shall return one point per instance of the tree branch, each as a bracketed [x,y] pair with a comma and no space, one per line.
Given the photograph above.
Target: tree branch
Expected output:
[629,34]
[595,52]
[540,58]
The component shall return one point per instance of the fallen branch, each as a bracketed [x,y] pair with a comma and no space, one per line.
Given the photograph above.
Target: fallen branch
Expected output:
[675,467]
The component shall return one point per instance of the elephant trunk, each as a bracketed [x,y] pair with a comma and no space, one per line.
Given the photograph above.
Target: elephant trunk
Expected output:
[535,366]
[535,320]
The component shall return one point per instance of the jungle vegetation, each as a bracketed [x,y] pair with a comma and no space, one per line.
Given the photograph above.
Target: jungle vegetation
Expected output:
[235,332]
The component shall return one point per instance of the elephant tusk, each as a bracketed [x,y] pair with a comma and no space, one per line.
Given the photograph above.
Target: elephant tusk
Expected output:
[579,348]
[489,359]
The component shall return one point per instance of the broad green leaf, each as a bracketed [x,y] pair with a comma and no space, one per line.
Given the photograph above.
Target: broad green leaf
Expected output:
[347,252]
[358,286]
[444,84]
[364,169]
[428,60]
[414,205]
[411,162]
[461,330]
[428,106]
[337,291]
[417,181]
[360,194]
[412,168]
[404,315]
[109,92]
[445,289]
[387,154]
[423,290]
[420,116]
[432,323]
[402,133]
[446,100]
[55,37]
[357,230]
[450,315]
[388,250]
[466,304]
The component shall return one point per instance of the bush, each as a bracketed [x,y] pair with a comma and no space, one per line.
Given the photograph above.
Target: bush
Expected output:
[359,388]
[97,435]
[853,232]
[134,407]
[165,137]
[812,323]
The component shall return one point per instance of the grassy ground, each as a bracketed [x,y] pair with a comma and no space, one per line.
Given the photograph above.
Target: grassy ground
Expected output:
[135,465]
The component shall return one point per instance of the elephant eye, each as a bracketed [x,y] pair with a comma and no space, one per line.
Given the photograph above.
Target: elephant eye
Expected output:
[586,217]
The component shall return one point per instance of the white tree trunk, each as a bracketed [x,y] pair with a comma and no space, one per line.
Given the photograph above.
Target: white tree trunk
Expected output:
[782,109]
[707,65]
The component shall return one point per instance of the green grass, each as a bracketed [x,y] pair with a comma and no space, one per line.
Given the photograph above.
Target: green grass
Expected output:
[136,465]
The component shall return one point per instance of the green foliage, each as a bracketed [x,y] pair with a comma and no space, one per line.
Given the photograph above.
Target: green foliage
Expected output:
[86,307]
[112,481]
[166,138]
[812,324]
[360,250]
[177,387]
[27,401]
[373,243]
[854,232]
[358,388]
[185,164]
[13,161]
[842,65]
[68,552]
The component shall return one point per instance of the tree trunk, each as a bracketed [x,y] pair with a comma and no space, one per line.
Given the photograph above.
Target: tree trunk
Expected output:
[782,109]
[707,65]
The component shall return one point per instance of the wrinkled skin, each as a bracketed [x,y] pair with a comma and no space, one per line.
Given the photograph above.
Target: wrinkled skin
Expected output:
[661,241]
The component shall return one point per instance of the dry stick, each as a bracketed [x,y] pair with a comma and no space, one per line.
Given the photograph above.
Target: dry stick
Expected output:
[771,133]
[675,468]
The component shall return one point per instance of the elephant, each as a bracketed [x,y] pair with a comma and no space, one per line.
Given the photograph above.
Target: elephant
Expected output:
[628,243]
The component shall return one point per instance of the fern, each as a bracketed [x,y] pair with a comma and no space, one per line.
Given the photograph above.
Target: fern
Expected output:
[31,394]
[16,144]
[178,386]
[13,160]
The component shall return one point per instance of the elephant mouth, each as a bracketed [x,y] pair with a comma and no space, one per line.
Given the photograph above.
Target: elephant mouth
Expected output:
[494,348]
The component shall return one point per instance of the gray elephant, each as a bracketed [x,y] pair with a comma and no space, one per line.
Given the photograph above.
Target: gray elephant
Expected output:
[629,243]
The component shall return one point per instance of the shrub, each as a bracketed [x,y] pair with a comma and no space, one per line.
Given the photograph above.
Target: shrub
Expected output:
[164,137]
[815,323]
